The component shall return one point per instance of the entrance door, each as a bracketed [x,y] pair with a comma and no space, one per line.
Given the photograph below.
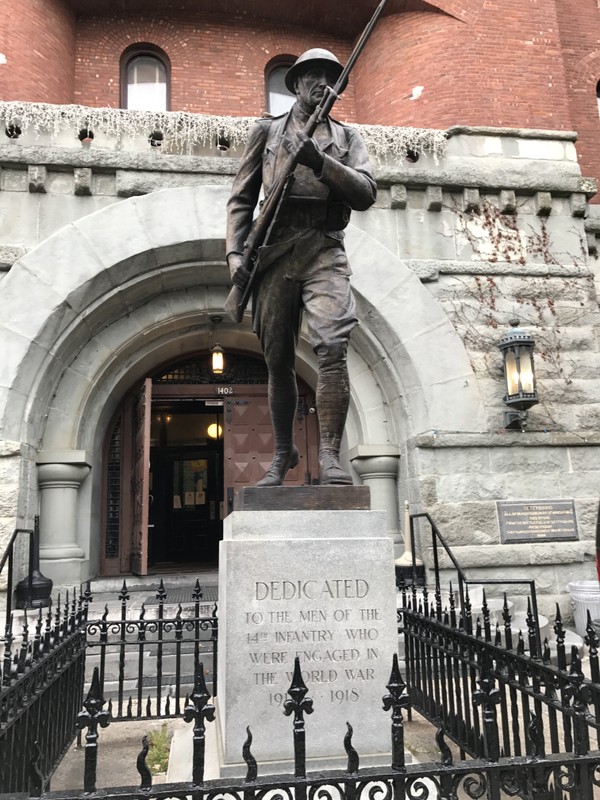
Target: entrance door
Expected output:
[186,518]
[186,508]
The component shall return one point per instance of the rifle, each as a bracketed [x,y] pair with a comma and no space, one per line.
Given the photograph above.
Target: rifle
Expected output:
[238,299]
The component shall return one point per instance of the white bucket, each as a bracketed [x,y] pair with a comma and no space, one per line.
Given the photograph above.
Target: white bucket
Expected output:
[585,596]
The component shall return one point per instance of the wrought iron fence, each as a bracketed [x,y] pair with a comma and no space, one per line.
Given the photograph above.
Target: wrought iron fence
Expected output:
[526,723]
[554,777]
[146,663]
[449,645]
[42,680]
[447,658]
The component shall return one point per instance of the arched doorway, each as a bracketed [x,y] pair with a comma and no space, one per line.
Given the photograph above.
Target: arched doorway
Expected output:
[180,447]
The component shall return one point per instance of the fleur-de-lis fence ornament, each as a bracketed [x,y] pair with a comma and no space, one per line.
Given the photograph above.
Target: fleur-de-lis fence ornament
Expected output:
[91,718]
[488,697]
[397,699]
[198,709]
[298,705]
[578,693]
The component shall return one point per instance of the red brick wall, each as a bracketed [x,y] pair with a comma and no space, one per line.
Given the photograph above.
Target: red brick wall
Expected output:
[39,45]
[216,67]
[514,63]
[579,24]
[503,68]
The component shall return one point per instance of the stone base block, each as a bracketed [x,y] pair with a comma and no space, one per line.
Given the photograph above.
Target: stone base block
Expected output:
[303,498]
[65,572]
[317,585]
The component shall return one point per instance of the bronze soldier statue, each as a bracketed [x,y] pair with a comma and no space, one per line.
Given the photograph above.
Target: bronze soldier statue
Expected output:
[303,271]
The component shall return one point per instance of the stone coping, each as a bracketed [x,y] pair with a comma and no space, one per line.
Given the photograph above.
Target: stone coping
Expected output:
[528,554]
[521,133]
[453,173]
[438,439]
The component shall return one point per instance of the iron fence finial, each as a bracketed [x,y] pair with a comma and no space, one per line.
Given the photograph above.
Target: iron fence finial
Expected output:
[397,699]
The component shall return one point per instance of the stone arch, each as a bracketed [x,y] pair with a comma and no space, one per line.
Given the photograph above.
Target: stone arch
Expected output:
[99,304]
[587,70]
[97,270]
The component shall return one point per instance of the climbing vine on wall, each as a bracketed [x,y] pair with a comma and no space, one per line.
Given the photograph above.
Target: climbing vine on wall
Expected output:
[186,130]
[481,305]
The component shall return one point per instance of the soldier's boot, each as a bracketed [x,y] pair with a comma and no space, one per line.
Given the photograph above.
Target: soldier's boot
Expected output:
[283,460]
[283,402]
[333,397]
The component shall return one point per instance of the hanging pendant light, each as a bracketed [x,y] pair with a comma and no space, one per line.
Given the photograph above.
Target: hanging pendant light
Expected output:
[217,360]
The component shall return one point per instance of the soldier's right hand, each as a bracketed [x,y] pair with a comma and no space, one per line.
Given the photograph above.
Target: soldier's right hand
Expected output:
[239,275]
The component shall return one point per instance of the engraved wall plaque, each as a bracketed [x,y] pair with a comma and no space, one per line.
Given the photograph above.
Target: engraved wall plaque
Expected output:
[537,520]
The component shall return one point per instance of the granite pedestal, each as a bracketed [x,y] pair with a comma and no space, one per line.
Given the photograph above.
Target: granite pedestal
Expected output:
[319,585]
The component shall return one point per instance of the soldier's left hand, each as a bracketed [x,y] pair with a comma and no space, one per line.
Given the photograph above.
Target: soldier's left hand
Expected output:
[306,151]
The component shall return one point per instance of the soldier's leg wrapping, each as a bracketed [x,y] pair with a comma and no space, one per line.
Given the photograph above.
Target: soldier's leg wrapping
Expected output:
[333,399]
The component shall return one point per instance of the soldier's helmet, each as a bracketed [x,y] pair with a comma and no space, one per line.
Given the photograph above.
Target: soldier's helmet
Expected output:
[316,55]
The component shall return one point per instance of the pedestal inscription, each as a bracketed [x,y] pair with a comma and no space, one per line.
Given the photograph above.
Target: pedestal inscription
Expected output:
[297,590]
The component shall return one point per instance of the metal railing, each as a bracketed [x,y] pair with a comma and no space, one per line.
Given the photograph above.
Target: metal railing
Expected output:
[157,652]
[437,541]
[41,687]
[525,722]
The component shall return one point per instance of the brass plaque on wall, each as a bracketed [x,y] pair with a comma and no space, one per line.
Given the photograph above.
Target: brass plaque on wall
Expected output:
[537,520]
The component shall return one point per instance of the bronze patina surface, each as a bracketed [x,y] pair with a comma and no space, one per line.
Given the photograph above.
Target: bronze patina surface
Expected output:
[303,271]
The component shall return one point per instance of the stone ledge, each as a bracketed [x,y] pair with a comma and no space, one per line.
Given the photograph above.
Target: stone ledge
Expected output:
[430,269]
[434,439]
[103,160]
[492,556]
[521,133]
[454,173]
[492,174]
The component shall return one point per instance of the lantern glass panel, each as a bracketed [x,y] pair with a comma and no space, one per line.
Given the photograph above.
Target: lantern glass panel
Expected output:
[217,364]
[512,373]
[526,371]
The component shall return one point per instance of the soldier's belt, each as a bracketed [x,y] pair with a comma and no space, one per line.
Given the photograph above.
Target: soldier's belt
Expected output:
[314,214]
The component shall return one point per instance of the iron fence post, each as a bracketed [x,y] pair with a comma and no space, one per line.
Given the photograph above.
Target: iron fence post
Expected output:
[397,699]
[198,710]
[91,718]
[298,705]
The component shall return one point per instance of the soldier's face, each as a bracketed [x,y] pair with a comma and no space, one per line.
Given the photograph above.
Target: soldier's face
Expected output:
[311,85]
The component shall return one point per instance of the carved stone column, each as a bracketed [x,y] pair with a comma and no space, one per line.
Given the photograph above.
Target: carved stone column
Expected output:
[377,466]
[60,475]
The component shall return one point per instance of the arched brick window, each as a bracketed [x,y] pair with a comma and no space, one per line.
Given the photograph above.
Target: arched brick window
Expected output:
[145,78]
[279,98]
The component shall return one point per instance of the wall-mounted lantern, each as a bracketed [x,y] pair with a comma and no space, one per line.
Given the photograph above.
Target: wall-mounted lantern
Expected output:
[517,350]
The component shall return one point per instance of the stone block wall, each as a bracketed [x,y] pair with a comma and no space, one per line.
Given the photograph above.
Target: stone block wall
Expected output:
[498,226]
